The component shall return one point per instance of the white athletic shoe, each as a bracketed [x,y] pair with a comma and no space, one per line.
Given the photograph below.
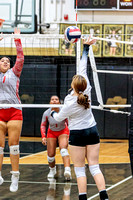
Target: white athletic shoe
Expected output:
[67,174]
[52,172]
[14,179]
[1,180]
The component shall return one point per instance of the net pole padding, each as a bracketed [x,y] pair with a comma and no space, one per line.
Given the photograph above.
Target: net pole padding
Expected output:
[78,53]
[114,72]
[110,40]
[95,76]
[76,12]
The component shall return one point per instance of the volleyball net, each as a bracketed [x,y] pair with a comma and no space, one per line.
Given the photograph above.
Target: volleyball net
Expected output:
[52,51]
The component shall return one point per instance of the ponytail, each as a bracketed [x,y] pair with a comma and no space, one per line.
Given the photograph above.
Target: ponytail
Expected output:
[83,100]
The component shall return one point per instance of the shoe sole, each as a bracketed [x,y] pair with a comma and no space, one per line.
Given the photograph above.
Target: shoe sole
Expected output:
[67,177]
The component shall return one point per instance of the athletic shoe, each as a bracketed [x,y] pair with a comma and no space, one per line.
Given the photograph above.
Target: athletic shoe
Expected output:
[14,181]
[1,180]
[67,174]
[52,172]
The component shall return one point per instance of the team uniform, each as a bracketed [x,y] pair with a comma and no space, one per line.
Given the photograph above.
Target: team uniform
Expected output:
[9,94]
[55,128]
[82,125]
[9,88]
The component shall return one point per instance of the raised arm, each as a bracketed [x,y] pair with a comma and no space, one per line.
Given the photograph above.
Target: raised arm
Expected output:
[17,69]
[1,38]
[84,59]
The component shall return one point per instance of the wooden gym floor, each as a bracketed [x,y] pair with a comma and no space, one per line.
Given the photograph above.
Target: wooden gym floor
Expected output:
[33,184]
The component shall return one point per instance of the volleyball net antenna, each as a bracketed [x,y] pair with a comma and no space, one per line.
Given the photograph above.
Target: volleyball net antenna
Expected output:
[51,45]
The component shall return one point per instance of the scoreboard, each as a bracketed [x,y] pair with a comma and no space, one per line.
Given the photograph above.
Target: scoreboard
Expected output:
[104,4]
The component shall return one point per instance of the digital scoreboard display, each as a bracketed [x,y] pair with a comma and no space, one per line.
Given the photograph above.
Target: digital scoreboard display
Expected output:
[104,4]
[96,4]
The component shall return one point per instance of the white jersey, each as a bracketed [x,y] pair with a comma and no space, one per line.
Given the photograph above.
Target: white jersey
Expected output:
[78,117]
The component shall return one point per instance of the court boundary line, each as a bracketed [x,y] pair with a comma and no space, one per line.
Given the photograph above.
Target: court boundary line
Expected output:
[58,183]
[113,186]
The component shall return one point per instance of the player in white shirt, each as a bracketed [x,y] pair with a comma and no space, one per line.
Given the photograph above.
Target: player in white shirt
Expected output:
[84,139]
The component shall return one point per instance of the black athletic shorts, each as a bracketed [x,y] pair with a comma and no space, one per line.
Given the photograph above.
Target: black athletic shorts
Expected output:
[84,137]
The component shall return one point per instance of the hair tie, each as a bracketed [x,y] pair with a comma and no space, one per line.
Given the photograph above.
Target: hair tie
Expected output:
[80,92]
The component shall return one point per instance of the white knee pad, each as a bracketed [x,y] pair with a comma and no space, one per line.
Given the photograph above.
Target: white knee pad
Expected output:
[50,159]
[94,170]
[1,150]
[14,149]
[64,152]
[79,171]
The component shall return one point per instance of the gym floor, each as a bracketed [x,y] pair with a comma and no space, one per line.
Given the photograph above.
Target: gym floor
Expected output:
[33,184]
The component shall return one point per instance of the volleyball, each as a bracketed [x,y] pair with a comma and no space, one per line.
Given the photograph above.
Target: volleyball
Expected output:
[72,34]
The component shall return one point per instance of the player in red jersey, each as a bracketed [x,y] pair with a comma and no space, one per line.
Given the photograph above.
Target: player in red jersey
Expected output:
[11,117]
[56,131]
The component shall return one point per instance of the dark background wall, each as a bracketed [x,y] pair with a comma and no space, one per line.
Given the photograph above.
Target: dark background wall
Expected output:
[43,77]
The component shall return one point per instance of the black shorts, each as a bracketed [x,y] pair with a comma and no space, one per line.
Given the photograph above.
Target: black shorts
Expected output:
[84,137]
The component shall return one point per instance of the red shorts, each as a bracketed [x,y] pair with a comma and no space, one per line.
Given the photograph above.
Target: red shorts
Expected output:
[10,114]
[56,134]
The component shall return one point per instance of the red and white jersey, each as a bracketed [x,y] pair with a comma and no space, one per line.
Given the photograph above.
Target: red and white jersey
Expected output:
[53,124]
[9,81]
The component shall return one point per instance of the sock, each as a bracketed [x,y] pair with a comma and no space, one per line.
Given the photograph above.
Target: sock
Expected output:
[103,195]
[82,197]
[67,168]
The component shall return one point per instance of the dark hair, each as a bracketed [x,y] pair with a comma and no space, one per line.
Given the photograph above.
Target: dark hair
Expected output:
[79,83]
[55,96]
[11,62]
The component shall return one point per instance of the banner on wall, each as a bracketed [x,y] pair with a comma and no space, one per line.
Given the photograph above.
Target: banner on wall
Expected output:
[65,48]
[129,38]
[96,31]
[113,48]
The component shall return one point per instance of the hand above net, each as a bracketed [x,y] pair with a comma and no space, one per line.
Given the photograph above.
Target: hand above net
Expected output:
[16,32]
[1,37]
[89,41]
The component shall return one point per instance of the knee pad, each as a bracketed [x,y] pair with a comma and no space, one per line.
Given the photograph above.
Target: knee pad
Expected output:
[94,170]
[64,152]
[14,149]
[79,171]
[1,150]
[50,159]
